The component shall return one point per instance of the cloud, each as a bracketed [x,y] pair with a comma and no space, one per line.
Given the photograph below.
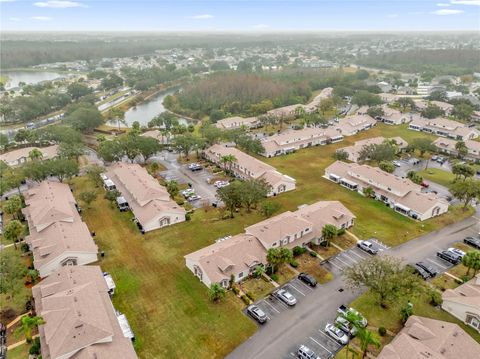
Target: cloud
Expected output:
[201,17]
[261,26]
[442,4]
[14,19]
[444,12]
[7,0]
[41,18]
[59,4]
[466,2]
[392,16]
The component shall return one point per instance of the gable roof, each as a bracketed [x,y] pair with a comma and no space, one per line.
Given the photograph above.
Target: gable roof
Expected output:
[15,155]
[466,294]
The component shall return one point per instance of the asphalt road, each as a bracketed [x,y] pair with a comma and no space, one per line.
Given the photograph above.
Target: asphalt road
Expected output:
[304,323]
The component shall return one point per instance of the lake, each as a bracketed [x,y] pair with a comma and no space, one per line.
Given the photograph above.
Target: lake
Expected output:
[145,111]
[29,77]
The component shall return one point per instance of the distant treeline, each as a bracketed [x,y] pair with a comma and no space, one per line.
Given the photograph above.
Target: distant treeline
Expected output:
[440,62]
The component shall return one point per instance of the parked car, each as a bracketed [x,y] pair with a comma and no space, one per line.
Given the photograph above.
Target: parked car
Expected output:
[474,242]
[336,334]
[193,198]
[420,271]
[434,158]
[424,184]
[307,279]
[286,297]
[367,247]
[441,160]
[221,184]
[257,314]
[188,192]
[414,161]
[305,352]
[345,325]
[427,268]
[195,167]
[449,257]
[458,252]
[397,163]
[344,310]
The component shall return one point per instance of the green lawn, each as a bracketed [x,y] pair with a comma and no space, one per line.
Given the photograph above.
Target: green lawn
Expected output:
[258,287]
[166,305]
[20,352]
[439,176]
[307,166]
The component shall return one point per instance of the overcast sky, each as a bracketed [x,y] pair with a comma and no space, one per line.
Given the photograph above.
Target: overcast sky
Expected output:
[243,15]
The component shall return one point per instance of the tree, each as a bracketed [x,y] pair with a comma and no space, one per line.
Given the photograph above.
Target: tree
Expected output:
[36,171]
[63,168]
[172,188]
[415,177]
[326,105]
[463,111]
[354,320]
[70,150]
[227,161]
[378,152]
[268,208]
[14,231]
[387,166]
[85,118]
[406,103]
[375,112]
[231,196]
[13,206]
[216,292]
[277,256]
[88,197]
[93,173]
[329,231]
[117,114]
[259,271]
[77,90]
[147,146]
[4,140]
[461,148]
[471,260]
[186,143]
[432,111]
[110,151]
[369,192]
[340,155]
[253,191]
[27,323]
[12,272]
[422,145]
[465,190]
[111,81]
[385,277]
[462,170]
[367,338]
[35,154]
[365,98]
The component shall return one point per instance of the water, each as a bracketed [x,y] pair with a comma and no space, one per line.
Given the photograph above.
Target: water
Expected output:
[145,111]
[29,77]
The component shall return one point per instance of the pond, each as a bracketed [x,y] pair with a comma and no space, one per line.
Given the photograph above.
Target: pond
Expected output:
[29,77]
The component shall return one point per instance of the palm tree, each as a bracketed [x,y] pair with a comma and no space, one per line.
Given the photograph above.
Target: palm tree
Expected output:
[216,292]
[13,206]
[355,321]
[28,322]
[227,162]
[35,154]
[471,260]
[259,271]
[117,114]
[13,231]
[329,231]
[367,338]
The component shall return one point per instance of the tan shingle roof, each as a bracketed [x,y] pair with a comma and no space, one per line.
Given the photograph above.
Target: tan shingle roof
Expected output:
[79,316]
[12,156]
[468,293]
[354,150]
[428,338]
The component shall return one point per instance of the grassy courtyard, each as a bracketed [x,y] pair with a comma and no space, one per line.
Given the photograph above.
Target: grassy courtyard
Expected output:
[439,176]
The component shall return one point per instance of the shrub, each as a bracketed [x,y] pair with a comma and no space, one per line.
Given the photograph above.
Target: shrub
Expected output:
[465,279]
[274,277]
[180,202]
[250,295]
[25,248]
[35,348]
[245,299]
[235,290]
[382,331]
[313,254]
[298,251]
[435,298]
[294,263]
[341,231]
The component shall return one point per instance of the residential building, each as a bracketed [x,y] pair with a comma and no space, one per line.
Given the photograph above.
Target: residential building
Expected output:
[447,145]
[293,140]
[238,256]
[21,155]
[155,134]
[248,167]
[324,94]
[351,125]
[444,128]
[355,150]
[463,302]
[401,194]
[149,201]
[395,117]
[429,338]
[388,97]
[287,112]
[80,320]
[58,236]
[231,123]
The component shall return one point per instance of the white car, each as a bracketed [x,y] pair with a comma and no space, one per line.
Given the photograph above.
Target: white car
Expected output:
[336,334]
[188,192]
[286,297]
[397,163]
[457,251]
[221,184]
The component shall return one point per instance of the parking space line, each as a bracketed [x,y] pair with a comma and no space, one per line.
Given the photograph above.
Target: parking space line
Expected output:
[295,288]
[282,304]
[293,355]
[271,306]
[353,260]
[321,345]
[358,255]
[333,264]
[438,264]
[338,259]
[331,339]
[304,285]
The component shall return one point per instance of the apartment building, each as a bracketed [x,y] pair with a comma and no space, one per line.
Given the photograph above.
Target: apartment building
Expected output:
[355,150]
[21,155]
[447,145]
[231,123]
[444,128]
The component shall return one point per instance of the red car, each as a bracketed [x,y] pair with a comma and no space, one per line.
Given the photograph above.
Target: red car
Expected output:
[424,184]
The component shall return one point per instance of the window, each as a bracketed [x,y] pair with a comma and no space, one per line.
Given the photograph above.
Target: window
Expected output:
[240,275]
[274,244]
[307,229]
[473,321]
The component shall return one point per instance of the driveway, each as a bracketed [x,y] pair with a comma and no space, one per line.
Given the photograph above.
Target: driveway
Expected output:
[181,174]
[305,323]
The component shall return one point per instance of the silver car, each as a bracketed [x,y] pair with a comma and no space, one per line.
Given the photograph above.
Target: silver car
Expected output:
[458,252]
[305,352]
[286,297]
[345,325]
[336,334]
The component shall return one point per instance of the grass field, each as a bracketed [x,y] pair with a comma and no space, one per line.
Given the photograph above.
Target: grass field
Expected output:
[439,176]
[20,352]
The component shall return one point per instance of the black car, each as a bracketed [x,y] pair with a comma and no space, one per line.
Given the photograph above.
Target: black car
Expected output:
[420,271]
[427,268]
[257,314]
[308,279]
[449,257]
[474,242]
